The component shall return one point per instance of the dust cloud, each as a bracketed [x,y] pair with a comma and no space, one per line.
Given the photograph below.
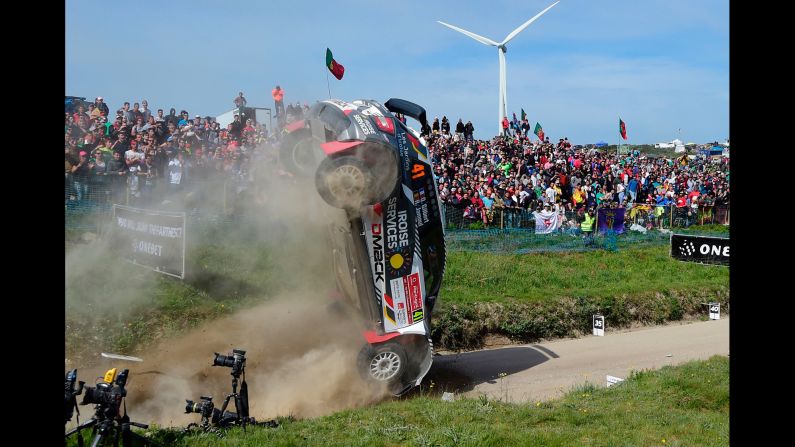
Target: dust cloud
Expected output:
[301,348]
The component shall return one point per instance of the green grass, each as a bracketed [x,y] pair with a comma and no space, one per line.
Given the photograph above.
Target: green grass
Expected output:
[115,306]
[478,277]
[685,405]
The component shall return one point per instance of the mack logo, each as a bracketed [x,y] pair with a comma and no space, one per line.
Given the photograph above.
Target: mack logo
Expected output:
[397,224]
[378,255]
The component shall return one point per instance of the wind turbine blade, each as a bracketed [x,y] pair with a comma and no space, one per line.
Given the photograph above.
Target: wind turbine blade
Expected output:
[480,39]
[527,23]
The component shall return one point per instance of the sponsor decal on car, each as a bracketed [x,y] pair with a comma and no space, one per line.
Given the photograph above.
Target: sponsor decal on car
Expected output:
[373,224]
[407,296]
[397,225]
[365,125]
[421,205]
[403,147]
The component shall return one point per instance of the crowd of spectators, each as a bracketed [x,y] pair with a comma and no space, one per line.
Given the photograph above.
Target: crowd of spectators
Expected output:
[517,173]
[141,153]
[145,153]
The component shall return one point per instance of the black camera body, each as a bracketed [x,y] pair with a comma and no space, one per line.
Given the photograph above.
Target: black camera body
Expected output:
[236,361]
[70,393]
[107,396]
[210,414]
[204,407]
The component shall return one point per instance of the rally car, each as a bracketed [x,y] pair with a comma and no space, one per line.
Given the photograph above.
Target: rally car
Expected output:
[390,259]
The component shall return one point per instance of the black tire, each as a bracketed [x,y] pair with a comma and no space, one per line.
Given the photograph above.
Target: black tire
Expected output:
[299,152]
[383,363]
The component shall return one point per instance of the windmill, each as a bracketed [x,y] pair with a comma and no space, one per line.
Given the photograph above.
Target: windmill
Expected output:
[501,48]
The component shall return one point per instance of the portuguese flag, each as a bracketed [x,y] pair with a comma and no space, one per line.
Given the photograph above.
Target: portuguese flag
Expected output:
[334,67]
[539,132]
[622,128]
[524,115]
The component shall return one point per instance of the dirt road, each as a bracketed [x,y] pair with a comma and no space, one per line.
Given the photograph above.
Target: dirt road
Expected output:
[548,370]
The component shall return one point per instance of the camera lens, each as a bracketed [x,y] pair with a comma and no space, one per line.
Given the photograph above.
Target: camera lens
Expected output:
[223,360]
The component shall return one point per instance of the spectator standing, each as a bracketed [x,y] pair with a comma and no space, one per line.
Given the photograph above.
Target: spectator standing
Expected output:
[145,111]
[278,101]
[459,129]
[445,126]
[80,174]
[240,100]
[116,170]
[99,103]
[469,131]
[587,226]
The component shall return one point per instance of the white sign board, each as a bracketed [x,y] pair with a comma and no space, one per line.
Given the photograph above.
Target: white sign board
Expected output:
[714,311]
[613,380]
[599,325]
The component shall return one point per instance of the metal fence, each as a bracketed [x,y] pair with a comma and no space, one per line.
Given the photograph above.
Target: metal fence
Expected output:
[88,203]
[210,203]
[647,216]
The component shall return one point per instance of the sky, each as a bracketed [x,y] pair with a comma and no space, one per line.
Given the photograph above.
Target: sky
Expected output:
[660,66]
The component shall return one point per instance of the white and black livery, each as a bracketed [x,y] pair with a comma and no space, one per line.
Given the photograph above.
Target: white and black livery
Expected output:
[390,261]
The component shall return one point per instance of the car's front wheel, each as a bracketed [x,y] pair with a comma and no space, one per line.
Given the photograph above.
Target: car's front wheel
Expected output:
[344,182]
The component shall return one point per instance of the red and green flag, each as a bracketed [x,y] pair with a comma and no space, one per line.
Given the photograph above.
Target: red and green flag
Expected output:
[524,115]
[622,128]
[539,132]
[334,67]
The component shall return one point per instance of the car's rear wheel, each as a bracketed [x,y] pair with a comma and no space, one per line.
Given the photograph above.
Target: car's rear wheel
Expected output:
[299,152]
[344,182]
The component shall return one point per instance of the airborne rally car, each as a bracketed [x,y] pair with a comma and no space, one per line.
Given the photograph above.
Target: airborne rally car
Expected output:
[390,260]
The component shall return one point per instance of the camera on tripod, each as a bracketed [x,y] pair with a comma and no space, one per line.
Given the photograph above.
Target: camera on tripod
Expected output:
[107,423]
[236,361]
[222,418]
[70,393]
[109,392]
[204,407]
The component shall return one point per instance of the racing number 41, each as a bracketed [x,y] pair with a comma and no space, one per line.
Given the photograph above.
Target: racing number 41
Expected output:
[418,171]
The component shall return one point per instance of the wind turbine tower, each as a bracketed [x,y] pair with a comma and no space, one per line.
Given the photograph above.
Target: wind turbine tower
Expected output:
[501,49]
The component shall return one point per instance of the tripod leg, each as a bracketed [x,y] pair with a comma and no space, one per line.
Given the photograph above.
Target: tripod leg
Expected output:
[238,406]
[97,440]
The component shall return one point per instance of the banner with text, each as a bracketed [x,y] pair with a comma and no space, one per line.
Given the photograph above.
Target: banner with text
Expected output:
[610,219]
[703,249]
[154,239]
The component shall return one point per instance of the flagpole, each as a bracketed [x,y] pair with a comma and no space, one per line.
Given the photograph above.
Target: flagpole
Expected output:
[328,85]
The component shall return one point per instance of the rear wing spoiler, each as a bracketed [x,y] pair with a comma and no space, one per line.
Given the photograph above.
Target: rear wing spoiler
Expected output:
[407,108]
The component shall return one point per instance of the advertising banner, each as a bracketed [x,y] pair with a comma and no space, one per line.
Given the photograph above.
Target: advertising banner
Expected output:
[702,249]
[154,239]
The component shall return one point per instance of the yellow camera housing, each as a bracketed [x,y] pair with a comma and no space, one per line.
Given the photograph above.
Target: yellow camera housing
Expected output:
[110,375]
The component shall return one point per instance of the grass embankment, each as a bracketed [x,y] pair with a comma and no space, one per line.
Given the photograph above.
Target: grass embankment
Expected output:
[682,405]
[524,297]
